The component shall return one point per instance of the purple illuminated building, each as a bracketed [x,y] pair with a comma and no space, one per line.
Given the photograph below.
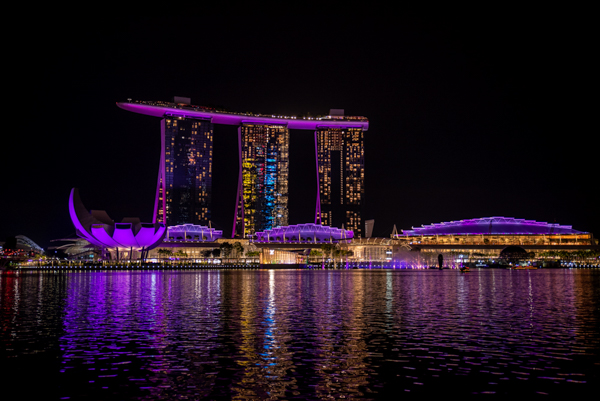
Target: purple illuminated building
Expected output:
[486,239]
[304,233]
[184,182]
[488,236]
[123,239]
[497,225]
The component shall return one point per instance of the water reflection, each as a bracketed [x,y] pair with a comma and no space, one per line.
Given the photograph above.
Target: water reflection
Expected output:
[303,334]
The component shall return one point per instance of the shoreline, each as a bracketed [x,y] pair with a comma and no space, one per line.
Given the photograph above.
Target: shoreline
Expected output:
[152,267]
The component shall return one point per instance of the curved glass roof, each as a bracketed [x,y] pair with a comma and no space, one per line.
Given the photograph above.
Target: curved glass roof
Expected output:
[303,232]
[491,225]
[194,232]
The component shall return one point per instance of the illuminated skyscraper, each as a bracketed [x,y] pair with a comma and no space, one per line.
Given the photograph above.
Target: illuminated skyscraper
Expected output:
[184,188]
[183,193]
[262,198]
[340,164]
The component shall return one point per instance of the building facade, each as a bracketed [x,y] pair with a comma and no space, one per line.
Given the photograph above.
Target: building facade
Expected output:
[489,236]
[262,197]
[340,166]
[184,188]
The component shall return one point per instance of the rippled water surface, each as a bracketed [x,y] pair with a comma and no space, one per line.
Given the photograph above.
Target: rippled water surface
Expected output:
[299,334]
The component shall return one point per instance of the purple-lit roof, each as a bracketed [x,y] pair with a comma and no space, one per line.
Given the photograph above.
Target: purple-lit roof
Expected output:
[194,232]
[304,233]
[491,225]
[217,117]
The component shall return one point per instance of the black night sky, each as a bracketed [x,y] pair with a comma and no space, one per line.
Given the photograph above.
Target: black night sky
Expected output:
[467,119]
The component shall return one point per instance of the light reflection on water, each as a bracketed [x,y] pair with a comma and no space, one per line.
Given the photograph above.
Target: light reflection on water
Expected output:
[302,334]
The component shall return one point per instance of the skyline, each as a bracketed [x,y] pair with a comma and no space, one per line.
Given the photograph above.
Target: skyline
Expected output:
[462,126]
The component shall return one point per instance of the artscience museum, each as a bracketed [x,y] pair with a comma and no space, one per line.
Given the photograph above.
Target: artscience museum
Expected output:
[129,239]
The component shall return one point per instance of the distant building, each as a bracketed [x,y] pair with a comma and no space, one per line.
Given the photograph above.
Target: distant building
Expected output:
[76,248]
[20,245]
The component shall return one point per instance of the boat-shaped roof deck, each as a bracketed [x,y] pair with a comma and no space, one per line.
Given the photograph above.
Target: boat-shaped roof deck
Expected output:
[165,109]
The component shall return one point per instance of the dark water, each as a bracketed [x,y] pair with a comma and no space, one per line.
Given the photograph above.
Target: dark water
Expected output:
[299,334]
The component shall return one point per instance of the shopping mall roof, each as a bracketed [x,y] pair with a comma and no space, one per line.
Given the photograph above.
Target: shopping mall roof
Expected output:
[308,232]
[491,226]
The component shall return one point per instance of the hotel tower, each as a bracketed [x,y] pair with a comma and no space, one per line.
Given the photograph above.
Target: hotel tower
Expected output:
[184,187]
[341,176]
[262,196]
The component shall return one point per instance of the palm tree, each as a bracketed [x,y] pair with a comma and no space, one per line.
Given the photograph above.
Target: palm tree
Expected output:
[315,253]
[165,252]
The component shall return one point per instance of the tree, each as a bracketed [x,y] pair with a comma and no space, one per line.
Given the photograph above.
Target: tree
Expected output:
[348,253]
[165,252]
[252,254]
[315,253]
[341,254]
[216,253]
[238,249]
[327,249]
[226,249]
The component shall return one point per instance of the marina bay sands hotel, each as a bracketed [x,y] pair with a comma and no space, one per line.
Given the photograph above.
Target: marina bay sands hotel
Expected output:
[184,186]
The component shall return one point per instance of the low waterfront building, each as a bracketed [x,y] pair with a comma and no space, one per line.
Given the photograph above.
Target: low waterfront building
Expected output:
[487,237]
[369,249]
[196,250]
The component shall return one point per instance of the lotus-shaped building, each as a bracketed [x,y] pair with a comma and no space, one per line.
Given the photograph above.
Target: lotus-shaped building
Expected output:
[99,229]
